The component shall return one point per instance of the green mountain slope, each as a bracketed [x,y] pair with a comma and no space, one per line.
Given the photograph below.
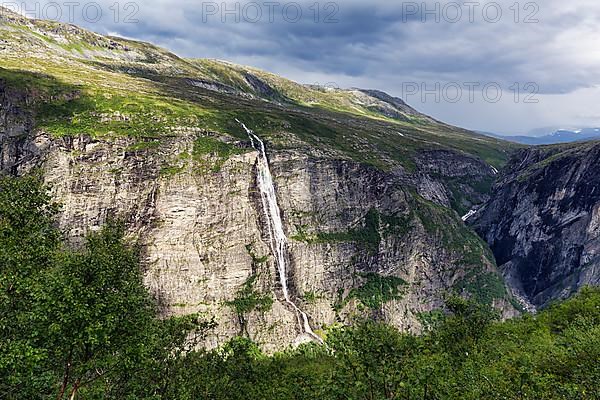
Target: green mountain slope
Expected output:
[148,86]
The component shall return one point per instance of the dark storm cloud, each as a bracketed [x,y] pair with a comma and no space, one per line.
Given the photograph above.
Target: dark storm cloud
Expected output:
[391,39]
[379,38]
[340,46]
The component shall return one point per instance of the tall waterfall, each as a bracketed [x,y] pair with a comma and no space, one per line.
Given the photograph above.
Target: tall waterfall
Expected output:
[277,236]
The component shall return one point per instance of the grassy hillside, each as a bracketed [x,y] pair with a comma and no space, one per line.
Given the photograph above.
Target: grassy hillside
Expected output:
[123,87]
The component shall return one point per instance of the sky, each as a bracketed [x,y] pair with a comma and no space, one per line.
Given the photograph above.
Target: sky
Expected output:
[498,66]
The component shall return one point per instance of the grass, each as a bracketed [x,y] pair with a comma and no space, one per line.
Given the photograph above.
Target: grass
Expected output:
[462,200]
[311,297]
[210,153]
[171,170]
[327,120]
[248,299]
[397,224]
[444,225]
[484,287]
[256,260]
[104,114]
[367,235]
[29,80]
[143,146]
[377,290]
[153,103]
[491,150]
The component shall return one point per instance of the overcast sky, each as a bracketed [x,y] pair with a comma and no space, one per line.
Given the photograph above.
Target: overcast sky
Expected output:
[550,49]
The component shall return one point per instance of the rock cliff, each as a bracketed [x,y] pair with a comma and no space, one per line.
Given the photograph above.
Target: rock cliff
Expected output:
[543,221]
[370,197]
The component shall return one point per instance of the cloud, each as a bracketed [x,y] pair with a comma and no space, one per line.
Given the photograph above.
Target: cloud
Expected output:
[384,44]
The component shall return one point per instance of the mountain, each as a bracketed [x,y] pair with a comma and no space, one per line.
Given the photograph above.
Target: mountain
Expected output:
[542,221]
[559,136]
[363,193]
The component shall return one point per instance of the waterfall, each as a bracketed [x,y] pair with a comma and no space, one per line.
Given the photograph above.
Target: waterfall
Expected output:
[277,235]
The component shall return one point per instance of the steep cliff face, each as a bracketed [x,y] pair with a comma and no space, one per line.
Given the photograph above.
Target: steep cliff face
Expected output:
[371,205]
[362,241]
[543,221]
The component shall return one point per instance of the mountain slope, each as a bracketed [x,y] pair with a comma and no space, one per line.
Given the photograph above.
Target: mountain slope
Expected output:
[542,221]
[78,57]
[370,191]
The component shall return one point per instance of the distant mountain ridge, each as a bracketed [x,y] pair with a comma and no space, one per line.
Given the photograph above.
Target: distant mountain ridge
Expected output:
[557,137]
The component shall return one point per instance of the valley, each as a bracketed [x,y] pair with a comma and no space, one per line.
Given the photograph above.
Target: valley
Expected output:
[184,228]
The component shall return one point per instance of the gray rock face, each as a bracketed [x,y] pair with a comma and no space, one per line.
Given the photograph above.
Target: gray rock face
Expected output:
[542,221]
[205,243]
[16,123]
[387,105]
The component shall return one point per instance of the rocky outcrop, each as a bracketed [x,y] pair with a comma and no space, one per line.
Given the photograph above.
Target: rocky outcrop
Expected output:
[387,105]
[453,180]
[543,221]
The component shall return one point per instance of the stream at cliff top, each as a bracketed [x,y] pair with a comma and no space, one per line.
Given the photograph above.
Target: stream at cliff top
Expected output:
[277,235]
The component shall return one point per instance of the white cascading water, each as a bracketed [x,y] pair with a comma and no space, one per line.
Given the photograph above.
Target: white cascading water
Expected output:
[277,235]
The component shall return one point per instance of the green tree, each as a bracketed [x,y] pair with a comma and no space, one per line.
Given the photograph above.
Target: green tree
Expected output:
[28,244]
[372,361]
[461,330]
[97,311]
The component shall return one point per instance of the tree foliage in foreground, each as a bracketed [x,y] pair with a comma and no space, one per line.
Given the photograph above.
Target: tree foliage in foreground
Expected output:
[80,324]
[74,322]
